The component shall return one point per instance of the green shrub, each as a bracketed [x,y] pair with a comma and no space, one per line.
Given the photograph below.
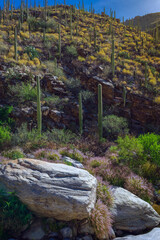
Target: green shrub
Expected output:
[13,215]
[13,154]
[32,52]
[53,68]
[87,96]
[5,135]
[24,91]
[74,154]
[71,51]
[104,194]
[131,151]
[40,24]
[124,55]
[115,126]
[61,136]
[151,145]
[73,85]
[28,138]
[4,116]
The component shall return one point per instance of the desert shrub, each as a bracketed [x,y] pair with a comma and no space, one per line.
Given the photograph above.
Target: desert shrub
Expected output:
[53,155]
[109,171]
[71,51]
[73,85]
[19,72]
[104,193]
[131,151]
[5,135]
[40,153]
[56,101]
[13,153]
[5,119]
[28,139]
[139,186]
[115,126]
[150,171]
[24,91]
[53,68]
[73,153]
[32,52]
[13,215]
[47,154]
[87,96]
[101,220]
[151,145]
[3,48]
[61,136]
[124,55]
[39,24]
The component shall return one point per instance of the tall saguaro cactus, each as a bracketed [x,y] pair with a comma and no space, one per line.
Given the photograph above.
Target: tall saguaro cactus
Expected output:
[15,44]
[112,59]
[39,113]
[59,41]
[95,38]
[100,112]
[146,74]
[80,114]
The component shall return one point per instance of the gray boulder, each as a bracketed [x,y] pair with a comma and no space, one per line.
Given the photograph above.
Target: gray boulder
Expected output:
[152,235]
[131,213]
[72,162]
[51,190]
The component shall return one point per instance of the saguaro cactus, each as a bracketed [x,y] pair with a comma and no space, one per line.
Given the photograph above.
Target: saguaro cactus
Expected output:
[80,114]
[15,44]
[146,74]
[124,96]
[100,112]
[59,41]
[112,59]
[95,38]
[39,113]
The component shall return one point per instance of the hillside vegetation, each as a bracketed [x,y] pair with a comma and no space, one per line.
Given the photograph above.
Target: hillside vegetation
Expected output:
[54,61]
[146,22]
[67,34]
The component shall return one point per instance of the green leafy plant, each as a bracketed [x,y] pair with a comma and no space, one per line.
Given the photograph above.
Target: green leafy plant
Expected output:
[71,51]
[24,91]
[5,116]
[32,52]
[115,126]
[13,154]
[131,151]
[5,135]
[151,145]
[13,215]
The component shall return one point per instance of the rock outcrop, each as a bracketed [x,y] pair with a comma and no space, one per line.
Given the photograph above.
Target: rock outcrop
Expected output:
[51,190]
[131,213]
[152,235]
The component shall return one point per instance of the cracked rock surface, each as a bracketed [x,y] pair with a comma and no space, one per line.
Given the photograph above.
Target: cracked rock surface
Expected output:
[50,189]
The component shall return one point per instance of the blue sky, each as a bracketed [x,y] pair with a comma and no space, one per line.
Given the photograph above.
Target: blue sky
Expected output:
[126,8]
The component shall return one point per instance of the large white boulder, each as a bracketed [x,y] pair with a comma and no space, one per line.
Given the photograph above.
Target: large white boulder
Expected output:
[132,214]
[51,190]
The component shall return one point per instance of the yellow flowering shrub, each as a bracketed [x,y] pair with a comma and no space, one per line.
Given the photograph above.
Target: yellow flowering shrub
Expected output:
[81,59]
[36,61]
[24,35]
[157,99]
